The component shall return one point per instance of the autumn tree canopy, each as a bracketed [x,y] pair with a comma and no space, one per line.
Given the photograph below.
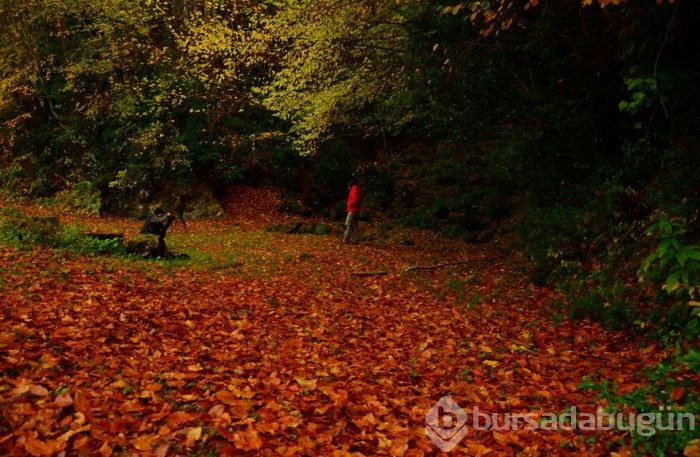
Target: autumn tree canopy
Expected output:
[461,116]
[566,130]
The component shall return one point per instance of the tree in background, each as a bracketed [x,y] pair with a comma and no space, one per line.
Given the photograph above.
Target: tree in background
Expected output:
[125,94]
[551,100]
[341,68]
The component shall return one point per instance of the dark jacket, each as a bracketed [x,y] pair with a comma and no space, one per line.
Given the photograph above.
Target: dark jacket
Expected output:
[156,225]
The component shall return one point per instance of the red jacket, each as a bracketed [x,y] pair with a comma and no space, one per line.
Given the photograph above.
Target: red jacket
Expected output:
[354,200]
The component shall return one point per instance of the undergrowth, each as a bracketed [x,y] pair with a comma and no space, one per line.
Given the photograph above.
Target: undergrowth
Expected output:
[665,410]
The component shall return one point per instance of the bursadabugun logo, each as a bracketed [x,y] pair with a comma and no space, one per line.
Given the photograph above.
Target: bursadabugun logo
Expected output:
[446,424]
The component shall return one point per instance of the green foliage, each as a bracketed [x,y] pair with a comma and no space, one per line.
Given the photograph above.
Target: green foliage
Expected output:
[675,266]
[603,279]
[321,229]
[451,194]
[551,237]
[29,232]
[691,360]
[600,295]
[582,119]
[22,231]
[73,240]
[82,197]
[339,67]
[674,262]
[642,92]
[592,253]
[124,94]
[670,392]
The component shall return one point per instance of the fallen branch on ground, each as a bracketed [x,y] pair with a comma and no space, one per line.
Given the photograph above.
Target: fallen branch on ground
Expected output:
[430,267]
[450,264]
[370,273]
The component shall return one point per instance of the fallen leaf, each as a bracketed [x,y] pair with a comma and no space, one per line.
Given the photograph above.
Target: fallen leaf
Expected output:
[39,448]
[145,442]
[247,440]
[677,393]
[216,410]
[105,450]
[38,390]
[309,384]
[692,449]
[63,400]
[382,441]
[226,397]
[193,435]
[178,418]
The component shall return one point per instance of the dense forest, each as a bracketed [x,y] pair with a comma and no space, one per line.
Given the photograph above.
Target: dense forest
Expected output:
[568,127]
[554,143]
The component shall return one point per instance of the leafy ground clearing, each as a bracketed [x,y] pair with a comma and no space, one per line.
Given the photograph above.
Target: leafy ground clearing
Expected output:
[265,343]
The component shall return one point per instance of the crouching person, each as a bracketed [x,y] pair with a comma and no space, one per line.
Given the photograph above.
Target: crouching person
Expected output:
[157,223]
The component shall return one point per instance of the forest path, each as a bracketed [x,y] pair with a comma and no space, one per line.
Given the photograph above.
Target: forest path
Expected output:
[265,343]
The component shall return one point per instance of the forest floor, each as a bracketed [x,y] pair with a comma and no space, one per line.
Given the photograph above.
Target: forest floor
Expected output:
[268,343]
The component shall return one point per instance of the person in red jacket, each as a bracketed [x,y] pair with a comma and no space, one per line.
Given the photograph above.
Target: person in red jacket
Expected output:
[353,207]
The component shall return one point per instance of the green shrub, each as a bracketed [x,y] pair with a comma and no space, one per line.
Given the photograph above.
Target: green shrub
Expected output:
[73,240]
[674,263]
[602,296]
[23,231]
[82,197]
[673,269]
[549,237]
[20,231]
[671,389]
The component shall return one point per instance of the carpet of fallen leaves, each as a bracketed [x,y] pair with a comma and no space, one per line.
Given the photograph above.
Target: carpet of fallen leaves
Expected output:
[281,349]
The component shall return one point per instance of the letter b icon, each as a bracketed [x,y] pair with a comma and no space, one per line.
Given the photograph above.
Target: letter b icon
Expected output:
[446,424]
